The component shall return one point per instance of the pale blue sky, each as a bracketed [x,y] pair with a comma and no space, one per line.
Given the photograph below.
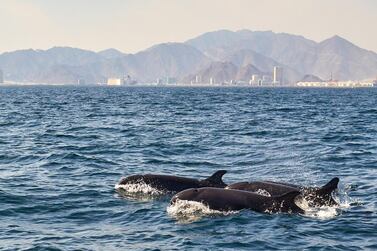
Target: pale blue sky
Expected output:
[133,25]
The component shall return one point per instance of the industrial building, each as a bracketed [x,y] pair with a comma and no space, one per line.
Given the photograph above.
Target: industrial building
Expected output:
[126,80]
[278,76]
[115,81]
[338,84]
[260,80]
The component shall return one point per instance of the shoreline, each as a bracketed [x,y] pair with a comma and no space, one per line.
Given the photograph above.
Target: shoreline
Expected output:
[18,84]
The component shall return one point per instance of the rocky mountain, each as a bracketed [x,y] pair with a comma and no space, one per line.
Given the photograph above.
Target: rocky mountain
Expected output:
[337,55]
[246,71]
[223,55]
[32,65]
[284,48]
[170,59]
[219,72]
[67,65]
[111,53]
[343,60]
[265,64]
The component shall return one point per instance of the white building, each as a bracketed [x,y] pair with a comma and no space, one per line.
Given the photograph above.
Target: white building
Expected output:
[115,81]
[159,81]
[198,79]
[126,80]
[254,79]
[1,77]
[277,75]
[212,81]
[260,80]
[337,84]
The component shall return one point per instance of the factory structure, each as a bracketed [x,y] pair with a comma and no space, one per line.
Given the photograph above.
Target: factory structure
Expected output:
[166,81]
[339,84]
[278,76]
[260,80]
[275,79]
[126,80]
[331,83]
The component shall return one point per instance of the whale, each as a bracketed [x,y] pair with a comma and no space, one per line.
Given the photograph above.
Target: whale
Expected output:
[234,200]
[170,183]
[315,196]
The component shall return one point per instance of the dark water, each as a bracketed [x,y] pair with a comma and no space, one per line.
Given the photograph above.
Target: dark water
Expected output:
[62,150]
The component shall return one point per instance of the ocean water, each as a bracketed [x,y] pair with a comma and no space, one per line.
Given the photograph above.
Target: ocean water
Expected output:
[63,149]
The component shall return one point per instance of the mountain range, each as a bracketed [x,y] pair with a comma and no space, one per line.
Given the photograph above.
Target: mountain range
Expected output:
[222,55]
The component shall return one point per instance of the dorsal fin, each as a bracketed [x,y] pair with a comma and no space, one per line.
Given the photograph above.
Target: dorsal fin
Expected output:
[215,179]
[329,187]
[322,196]
[287,202]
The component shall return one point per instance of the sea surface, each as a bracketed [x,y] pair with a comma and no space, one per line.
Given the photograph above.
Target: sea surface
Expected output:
[64,148]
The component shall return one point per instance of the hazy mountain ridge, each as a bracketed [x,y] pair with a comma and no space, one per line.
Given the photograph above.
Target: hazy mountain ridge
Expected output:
[217,71]
[31,65]
[223,55]
[265,64]
[170,59]
[111,53]
[334,55]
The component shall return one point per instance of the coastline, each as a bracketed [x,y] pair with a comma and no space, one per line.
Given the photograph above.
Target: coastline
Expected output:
[20,84]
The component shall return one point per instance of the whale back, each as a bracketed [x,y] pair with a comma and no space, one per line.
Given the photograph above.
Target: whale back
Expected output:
[286,203]
[273,189]
[234,200]
[316,196]
[171,183]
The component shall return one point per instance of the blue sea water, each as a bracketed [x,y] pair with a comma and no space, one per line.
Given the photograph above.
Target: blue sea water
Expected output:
[62,150]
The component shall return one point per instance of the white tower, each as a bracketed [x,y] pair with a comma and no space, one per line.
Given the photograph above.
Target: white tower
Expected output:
[197,79]
[278,75]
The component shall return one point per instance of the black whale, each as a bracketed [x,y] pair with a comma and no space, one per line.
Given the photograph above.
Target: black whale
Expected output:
[169,183]
[315,196]
[234,200]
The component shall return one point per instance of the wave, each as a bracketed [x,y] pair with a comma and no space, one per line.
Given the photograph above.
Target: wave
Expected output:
[190,211]
[327,212]
[139,191]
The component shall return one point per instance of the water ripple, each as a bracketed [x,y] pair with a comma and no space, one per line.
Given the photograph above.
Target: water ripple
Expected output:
[63,149]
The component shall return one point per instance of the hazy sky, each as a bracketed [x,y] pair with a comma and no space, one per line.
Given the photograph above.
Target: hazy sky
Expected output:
[133,25]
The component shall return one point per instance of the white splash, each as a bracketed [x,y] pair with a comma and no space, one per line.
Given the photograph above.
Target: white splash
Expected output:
[326,212]
[322,213]
[139,188]
[189,211]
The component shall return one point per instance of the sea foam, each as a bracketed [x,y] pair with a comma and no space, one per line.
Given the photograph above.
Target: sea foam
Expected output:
[139,188]
[327,212]
[189,211]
